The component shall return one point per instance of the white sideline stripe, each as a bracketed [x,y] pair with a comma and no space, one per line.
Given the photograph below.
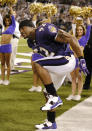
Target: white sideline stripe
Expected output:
[21,60]
[78,118]
[25,54]
[30,67]
[12,72]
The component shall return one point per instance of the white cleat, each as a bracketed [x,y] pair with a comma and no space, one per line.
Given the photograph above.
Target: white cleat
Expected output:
[46,125]
[52,103]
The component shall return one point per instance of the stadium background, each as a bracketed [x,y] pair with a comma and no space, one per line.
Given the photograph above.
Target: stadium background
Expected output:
[20,109]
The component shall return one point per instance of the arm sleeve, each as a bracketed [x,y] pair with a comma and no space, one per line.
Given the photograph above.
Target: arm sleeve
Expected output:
[13,26]
[83,41]
[87,35]
[13,21]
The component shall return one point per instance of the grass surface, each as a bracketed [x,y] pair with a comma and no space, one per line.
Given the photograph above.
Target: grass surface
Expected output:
[20,109]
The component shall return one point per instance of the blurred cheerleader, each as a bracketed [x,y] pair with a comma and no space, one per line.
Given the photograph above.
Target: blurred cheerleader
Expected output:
[83,36]
[35,10]
[5,48]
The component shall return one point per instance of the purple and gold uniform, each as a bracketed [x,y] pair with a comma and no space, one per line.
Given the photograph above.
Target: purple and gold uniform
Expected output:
[52,55]
[6,48]
[47,46]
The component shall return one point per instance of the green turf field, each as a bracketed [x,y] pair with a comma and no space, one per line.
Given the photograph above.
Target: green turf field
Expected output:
[20,109]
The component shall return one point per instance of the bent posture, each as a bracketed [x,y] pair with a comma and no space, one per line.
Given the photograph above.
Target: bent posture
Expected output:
[51,62]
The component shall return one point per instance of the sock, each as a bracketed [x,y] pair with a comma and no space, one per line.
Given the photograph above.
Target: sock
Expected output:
[51,89]
[51,116]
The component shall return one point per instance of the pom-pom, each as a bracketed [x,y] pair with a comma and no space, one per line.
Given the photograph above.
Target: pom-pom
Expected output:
[50,9]
[2,2]
[78,11]
[75,11]
[8,2]
[36,8]
[87,12]
[79,20]
[11,1]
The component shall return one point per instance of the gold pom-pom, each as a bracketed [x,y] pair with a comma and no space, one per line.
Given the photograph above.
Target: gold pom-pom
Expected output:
[79,20]
[75,10]
[36,8]
[78,11]
[2,2]
[50,9]
[8,2]
[11,1]
[87,12]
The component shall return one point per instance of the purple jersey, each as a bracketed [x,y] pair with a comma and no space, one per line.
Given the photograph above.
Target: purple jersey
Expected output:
[45,39]
[31,43]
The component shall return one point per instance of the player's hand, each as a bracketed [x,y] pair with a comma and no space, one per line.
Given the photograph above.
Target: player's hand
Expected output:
[83,67]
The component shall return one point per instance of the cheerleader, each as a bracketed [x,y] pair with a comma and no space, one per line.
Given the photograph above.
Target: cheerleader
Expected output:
[5,48]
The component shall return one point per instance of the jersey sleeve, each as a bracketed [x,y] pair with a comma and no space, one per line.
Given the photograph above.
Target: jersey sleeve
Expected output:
[30,45]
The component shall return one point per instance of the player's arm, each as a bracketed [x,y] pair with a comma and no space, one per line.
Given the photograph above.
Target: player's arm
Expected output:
[65,37]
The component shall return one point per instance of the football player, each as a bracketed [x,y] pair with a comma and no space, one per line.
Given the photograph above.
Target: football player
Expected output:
[52,62]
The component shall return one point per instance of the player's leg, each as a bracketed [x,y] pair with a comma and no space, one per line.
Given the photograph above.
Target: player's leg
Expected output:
[50,121]
[46,79]
[59,65]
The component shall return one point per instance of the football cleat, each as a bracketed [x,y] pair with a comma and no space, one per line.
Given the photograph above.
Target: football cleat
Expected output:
[46,125]
[52,103]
